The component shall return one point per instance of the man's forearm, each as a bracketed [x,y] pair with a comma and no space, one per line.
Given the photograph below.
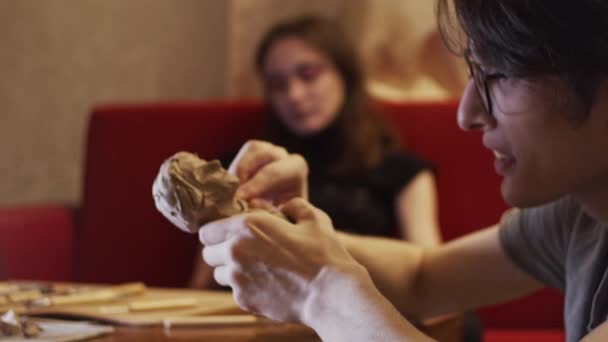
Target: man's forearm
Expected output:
[350,308]
[463,274]
[393,266]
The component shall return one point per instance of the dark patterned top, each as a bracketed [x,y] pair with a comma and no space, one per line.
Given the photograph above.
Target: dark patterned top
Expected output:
[361,204]
[364,204]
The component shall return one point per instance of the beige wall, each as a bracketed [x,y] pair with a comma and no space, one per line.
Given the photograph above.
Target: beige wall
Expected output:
[60,57]
[249,20]
[402,53]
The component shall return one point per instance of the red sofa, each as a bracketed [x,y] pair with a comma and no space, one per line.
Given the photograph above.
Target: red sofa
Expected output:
[118,236]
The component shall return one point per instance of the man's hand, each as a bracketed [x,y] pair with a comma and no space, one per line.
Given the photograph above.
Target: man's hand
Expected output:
[271,264]
[268,171]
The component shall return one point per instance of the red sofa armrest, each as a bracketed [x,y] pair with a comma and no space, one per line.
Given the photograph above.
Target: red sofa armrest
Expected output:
[36,242]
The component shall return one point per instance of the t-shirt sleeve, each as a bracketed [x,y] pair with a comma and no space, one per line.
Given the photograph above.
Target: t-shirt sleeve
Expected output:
[397,171]
[536,240]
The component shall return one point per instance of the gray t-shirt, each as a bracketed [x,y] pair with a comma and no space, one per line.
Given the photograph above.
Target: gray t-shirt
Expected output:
[565,248]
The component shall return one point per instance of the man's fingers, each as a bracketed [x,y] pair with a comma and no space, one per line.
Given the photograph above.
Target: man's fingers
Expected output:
[215,255]
[262,182]
[266,226]
[249,161]
[258,203]
[220,230]
[298,209]
[253,156]
[283,175]
[221,275]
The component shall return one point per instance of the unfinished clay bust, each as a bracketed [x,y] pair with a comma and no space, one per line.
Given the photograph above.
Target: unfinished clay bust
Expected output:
[191,192]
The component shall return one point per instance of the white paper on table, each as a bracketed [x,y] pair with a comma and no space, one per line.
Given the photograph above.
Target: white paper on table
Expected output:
[63,331]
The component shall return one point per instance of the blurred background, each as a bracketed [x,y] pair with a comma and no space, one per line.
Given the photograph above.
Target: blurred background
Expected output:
[61,57]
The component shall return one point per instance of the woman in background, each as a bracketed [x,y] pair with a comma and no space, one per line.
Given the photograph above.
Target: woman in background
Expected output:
[358,173]
[320,109]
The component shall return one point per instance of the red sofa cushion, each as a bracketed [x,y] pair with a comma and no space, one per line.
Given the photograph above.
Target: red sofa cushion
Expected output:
[513,335]
[121,236]
[36,243]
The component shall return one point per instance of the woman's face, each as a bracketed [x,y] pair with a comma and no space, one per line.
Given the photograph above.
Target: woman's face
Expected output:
[540,150]
[303,86]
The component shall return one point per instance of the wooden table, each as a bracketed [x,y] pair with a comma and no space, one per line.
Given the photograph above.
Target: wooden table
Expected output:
[147,326]
[270,333]
[446,330]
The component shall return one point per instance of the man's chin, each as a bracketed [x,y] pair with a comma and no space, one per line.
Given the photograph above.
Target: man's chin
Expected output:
[525,196]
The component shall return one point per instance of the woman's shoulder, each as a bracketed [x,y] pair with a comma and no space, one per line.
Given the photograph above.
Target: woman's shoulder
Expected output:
[403,160]
[397,169]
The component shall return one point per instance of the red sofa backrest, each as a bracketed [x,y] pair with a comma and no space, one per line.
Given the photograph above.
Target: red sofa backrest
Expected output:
[121,237]
[36,243]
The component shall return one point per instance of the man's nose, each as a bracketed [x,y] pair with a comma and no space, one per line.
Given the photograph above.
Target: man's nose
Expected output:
[472,114]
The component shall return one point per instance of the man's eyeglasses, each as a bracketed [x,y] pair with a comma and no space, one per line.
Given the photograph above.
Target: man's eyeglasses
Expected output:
[482,80]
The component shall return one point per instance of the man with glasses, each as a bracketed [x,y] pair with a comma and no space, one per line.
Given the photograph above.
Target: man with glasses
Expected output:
[482,81]
[539,94]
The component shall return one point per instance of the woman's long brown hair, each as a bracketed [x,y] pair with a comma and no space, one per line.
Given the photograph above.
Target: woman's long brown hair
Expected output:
[364,137]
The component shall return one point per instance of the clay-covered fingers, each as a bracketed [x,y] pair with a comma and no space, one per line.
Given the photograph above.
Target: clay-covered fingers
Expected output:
[278,181]
[232,239]
[221,274]
[221,230]
[229,275]
[236,250]
[261,204]
[253,156]
[298,210]
[216,255]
